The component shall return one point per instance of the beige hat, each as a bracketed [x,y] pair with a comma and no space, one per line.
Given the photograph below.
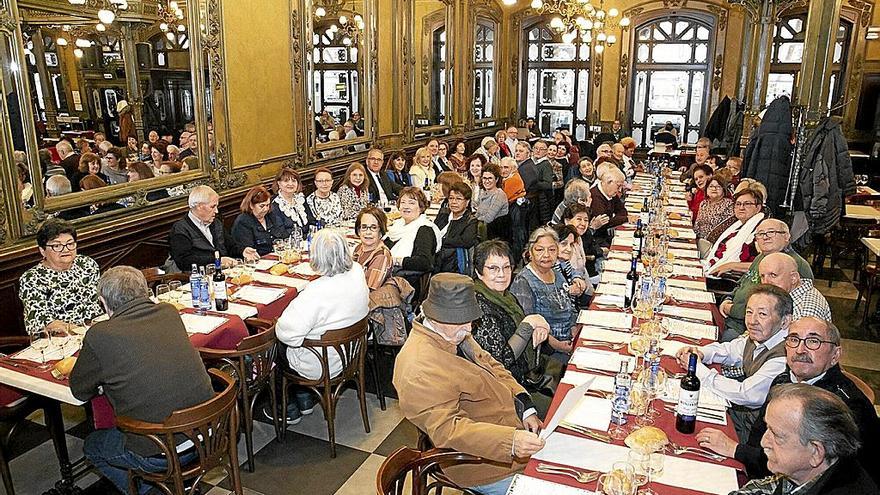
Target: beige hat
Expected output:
[451,299]
[121,106]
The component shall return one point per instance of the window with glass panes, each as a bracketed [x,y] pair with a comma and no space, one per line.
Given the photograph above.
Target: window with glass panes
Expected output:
[788,53]
[557,80]
[53,68]
[173,51]
[670,77]
[335,78]
[484,72]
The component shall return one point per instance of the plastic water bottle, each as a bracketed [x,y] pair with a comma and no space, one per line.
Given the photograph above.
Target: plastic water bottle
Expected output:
[660,288]
[622,385]
[195,285]
[652,359]
[204,292]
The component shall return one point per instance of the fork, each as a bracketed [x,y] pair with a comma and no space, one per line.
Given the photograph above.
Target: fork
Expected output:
[681,449]
[597,343]
[579,476]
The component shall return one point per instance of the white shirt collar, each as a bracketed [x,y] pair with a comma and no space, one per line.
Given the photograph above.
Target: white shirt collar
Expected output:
[811,381]
[770,343]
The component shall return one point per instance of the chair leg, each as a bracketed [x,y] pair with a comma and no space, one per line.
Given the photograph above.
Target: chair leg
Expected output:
[248,430]
[273,396]
[362,395]
[375,367]
[329,406]
[234,473]
[869,291]
[5,473]
[283,419]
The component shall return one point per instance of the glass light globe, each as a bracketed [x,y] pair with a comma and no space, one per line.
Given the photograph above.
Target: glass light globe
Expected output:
[508,2]
[77,52]
[358,18]
[600,48]
[625,22]
[601,37]
[320,12]
[76,2]
[613,12]
[537,4]
[588,24]
[346,41]
[569,37]
[61,41]
[181,28]
[81,43]
[612,39]
[163,26]
[343,20]
[170,35]
[600,14]
[172,5]
[556,23]
[106,16]
[100,28]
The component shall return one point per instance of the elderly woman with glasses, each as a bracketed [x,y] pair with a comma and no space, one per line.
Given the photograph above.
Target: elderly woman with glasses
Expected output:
[324,205]
[735,248]
[716,208]
[372,254]
[61,290]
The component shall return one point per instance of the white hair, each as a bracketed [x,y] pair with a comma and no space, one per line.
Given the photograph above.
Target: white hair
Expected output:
[63,147]
[200,195]
[105,146]
[329,254]
[603,169]
[58,185]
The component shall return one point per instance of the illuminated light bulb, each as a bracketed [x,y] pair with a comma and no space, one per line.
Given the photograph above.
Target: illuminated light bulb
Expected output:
[100,28]
[361,25]
[358,18]
[581,22]
[78,53]
[170,35]
[334,28]
[343,20]
[588,24]
[83,43]
[600,14]
[181,28]
[320,12]
[587,37]
[346,41]
[601,37]
[61,41]
[556,23]
[612,39]
[106,16]
[568,37]
[163,26]
[625,22]
[537,4]
[598,24]
[65,27]
[329,33]
[172,5]
[600,48]
[613,12]
[508,2]
[180,14]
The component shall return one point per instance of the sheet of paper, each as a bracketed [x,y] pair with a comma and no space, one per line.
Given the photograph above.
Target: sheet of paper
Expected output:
[691,329]
[612,289]
[693,313]
[610,277]
[305,269]
[265,265]
[606,319]
[585,357]
[575,378]
[568,403]
[688,295]
[687,271]
[526,485]
[259,295]
[609,300]
[708,399]
[617,265]
[268,278]
[688,283]
[671,347]
[599,456]
[591,412]
[604,335]
[201,323]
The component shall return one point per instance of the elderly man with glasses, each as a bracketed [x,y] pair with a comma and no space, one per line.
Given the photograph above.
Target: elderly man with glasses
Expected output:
[771,236]
[812,350]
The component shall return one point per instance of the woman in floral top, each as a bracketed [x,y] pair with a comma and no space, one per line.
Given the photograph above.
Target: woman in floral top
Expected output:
[715,209]
[324,204]
[353,193]
[61,289]
[289,206]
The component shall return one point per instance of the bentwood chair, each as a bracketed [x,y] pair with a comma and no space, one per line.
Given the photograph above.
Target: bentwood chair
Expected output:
[424,468]
[252,363]
[350,343]
[155,277]
[211,426]
[861,385]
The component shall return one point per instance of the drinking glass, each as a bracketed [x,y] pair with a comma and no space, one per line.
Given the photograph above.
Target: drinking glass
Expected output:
[174,285]
[640,397]
[638,344]
[619,481]
[654,388]
[41,341]
[651,464]
[278,247]
[162,291]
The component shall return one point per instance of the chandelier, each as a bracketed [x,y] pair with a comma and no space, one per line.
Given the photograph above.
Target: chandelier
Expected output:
[171,19]
[349,28]
[107,13]
[575,18]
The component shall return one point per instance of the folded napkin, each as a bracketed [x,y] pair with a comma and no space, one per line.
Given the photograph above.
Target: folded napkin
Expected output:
[259,295]
[585,357]
[265,265]
[599,382]
[609,300]
[305,269]
[690,284]
[684,253]
[613,277]
[612,289]
[606,319]
[616,265]
[201,323]
[687,271]
[591,412]
[604,335]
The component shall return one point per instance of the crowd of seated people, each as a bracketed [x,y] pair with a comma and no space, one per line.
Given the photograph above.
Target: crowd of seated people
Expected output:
[500,249]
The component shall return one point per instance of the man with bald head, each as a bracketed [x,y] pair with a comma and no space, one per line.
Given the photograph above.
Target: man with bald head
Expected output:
[780,270]
[812,355]
[771,236]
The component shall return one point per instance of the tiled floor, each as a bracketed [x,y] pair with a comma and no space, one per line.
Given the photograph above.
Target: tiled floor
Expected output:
[302,464]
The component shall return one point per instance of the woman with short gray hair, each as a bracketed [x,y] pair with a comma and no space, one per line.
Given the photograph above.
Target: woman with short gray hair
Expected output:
[337,299]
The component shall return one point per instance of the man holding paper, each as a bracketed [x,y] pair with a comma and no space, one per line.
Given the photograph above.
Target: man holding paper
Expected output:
[760,353]
[460,396]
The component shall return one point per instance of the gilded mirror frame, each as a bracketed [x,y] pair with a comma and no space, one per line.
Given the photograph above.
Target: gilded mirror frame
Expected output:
[204,24]
[367,63]
[421,78]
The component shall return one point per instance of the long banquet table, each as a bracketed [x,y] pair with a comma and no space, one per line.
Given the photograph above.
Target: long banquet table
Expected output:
[683,474]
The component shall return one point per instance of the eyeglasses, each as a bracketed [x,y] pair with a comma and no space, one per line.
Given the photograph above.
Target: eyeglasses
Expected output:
[714,186]
[491,178]
[70,246]
[743,204]
[370,228]
[374,159]
[495,269]
[768,234]
[812,343]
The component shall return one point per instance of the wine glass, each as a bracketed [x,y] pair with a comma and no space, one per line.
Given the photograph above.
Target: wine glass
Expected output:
[41,341]
[162,291]
[651,464]
[640,397]
[174,285]
[619,481]
[278,247]
[655,386]
[637,346]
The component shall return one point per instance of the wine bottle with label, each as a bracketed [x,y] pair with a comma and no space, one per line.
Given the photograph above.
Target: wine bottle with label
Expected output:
[221,300]
[688,399]
[630,284]
[638,235]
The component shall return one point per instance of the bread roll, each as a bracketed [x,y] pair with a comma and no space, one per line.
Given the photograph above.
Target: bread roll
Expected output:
[647,439]
[65,366]
[279,269]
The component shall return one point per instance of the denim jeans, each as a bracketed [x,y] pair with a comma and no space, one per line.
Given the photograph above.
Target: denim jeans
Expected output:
[105,449]
[499,487]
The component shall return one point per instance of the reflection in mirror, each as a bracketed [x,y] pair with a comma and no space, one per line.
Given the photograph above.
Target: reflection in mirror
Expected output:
[336,75]
[429,40]
[107,92]
[484,69]
[12,92]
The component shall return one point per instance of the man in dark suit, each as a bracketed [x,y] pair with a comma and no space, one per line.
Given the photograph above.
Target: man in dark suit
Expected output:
[819,367]
[381,187]
[69,159]
[195,238]
[529,174]
[143,360]
[606,201]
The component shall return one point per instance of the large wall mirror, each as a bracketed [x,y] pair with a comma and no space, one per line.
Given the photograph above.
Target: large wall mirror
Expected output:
[111,117]
[432,84]
[340,68]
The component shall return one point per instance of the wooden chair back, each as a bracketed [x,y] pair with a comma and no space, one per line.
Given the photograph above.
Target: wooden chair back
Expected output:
[861,385]
[422,467]
[211,427]
[350,343]
[253,359]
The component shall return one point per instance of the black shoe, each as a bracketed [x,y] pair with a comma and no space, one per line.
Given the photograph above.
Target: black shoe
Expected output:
[294,416]
[305,401]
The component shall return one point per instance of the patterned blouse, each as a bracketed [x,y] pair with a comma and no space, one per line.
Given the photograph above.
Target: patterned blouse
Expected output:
[71,295]
[493,331]
[352,202]
[295,210]
[712,214]
[552,301]
[326,210]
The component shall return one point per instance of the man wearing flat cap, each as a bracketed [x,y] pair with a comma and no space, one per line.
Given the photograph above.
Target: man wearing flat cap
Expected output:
[459,395]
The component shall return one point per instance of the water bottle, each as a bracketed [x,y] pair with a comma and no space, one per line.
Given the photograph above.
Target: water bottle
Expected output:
[204,292]
[622,385]
[195,285]
[660,288]
[652,358]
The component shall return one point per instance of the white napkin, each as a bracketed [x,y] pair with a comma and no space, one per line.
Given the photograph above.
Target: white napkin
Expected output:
[609,300]
[691,329]
[604,335]
[696,314]
[617,265]
[526,485]
[610,277]
[684,253]
[243,311]
[687,262]
[624,234]
[682,294]
[265,265]
[671,347]
[268,278]
[259,295]
[201,323]
[620,255]
[585,357]
[599,382]
[690,284]
[606,319]
[305,269]
[591,412]
[599,456]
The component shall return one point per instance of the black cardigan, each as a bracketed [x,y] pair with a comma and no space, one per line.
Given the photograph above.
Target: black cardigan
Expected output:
[247,231]
[462,233]
[283,225]
[189,246]
[422,257]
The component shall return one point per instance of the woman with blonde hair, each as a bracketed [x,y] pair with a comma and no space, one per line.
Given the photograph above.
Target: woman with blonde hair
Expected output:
[421,172]
[354,192]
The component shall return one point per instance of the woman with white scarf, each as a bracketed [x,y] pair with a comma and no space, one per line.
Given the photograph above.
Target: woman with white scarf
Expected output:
[735,248]
[414,240]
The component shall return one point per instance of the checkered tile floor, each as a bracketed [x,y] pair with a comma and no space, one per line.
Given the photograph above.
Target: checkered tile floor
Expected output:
[302,464]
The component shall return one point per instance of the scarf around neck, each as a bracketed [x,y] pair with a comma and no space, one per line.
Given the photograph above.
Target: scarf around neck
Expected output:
[403,235]
[504,300]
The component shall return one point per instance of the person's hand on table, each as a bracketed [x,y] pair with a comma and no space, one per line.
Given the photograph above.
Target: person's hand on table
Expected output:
[227,262]
[725,308]
[250,254]
[533,423]
[526,443]
[578,286]
[683,355]
[58,327]
[540,328]
[717,441]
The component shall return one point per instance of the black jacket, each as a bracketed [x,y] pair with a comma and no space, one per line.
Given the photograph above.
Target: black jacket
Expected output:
[845,477]
[826,176]
[392,189]
[767,158]
[717,123]
[462,233]
[752,455]
[529,173]
[247,231]
[189,246]
[283,225]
